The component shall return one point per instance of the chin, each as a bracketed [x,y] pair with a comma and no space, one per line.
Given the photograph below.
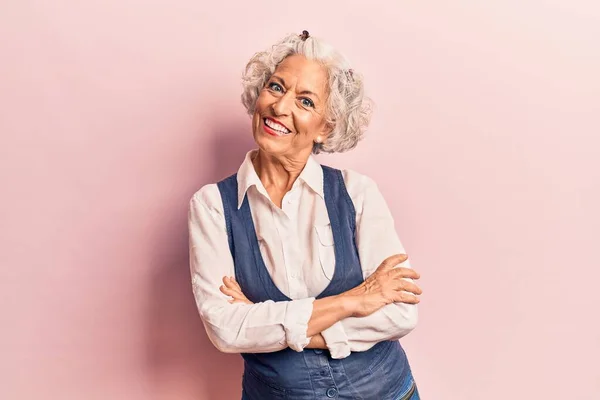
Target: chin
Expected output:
[268,147]
[269,144]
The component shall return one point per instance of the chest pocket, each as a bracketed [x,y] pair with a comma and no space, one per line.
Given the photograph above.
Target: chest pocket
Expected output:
[326,249]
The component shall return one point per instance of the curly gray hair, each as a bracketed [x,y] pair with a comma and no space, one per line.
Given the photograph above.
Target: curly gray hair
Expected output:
[348,110]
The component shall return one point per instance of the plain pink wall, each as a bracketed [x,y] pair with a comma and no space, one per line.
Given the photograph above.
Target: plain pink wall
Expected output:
[485,143]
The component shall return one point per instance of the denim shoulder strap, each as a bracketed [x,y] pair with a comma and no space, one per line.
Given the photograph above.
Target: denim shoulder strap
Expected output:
[229,188]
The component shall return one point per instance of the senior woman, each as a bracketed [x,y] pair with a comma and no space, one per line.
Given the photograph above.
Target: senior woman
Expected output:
[295,265]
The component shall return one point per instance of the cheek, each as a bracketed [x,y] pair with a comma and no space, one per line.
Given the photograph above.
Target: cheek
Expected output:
[262,101]
[309,124]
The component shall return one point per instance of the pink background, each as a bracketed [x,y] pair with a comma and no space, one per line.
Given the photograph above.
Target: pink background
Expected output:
[485,143]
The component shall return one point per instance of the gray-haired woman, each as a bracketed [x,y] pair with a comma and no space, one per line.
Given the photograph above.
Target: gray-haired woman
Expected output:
[295,264]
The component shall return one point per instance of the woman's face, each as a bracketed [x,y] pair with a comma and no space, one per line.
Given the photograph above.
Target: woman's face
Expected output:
[290,109]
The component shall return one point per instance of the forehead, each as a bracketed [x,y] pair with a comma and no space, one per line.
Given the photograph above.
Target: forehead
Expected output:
[297,70]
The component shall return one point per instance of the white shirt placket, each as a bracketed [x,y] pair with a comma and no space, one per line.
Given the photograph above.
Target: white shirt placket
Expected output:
[288,226]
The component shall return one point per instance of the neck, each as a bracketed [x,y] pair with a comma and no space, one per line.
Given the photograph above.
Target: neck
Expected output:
[278,172]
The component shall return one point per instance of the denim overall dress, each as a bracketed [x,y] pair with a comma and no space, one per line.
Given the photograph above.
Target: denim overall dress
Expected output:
[380,373]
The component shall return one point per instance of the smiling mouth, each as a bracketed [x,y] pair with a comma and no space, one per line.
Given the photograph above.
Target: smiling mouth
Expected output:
[275,127]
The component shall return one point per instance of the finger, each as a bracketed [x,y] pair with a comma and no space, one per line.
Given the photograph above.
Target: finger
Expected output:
[227,281]
[410,287]
[235,293]
[224,289]
[237,285]
[403,272]
[405,297]
[392,261]
[232,292]
[232,284]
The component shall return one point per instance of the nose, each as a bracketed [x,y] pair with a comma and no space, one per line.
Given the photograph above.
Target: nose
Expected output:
[282,105]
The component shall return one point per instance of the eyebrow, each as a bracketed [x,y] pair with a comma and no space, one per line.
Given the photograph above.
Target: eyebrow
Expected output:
[302,92]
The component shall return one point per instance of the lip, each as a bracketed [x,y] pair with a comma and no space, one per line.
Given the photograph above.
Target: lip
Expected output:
[270,131]
[279,122]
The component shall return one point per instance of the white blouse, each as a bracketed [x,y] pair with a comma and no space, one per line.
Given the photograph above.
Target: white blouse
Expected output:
[296,243]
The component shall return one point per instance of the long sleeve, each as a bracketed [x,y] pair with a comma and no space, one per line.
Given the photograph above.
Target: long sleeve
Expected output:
[376,240]
[235,328]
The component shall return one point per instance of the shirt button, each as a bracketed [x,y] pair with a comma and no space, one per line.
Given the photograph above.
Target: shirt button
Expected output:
[331,392]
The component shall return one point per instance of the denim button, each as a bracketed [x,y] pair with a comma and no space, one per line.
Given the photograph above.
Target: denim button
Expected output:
[331,392]
[318,351]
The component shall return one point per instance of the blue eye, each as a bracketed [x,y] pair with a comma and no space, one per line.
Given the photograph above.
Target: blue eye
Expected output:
[275,86]
[307,102]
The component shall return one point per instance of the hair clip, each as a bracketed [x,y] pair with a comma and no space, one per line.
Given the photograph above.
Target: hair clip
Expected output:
[305,35]
[350,74]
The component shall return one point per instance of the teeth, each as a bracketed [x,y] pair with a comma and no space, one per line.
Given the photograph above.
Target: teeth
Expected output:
[274,125]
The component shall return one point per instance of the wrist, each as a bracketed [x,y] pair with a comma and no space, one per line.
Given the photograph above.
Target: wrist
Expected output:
[350,303]
[317,342]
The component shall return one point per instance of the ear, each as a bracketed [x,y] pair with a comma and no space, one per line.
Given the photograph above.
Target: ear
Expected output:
[326,131]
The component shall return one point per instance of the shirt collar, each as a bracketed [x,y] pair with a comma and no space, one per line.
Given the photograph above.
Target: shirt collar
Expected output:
[312,175]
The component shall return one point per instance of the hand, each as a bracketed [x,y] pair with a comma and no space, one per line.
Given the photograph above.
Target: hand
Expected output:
[386,285]
[233,289]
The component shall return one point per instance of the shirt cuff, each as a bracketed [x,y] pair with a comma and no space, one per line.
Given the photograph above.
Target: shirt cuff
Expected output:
[295,323]
[336,340]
